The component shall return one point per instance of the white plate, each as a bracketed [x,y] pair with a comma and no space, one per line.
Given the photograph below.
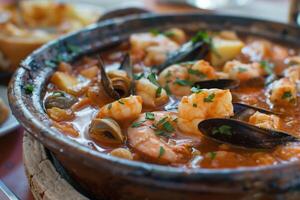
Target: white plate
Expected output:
[11,123]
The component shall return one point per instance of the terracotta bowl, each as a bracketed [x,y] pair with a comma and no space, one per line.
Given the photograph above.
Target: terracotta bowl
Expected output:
[106,177]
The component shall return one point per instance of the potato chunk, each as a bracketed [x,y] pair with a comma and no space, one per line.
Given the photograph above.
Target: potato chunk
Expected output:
[265,121]
[60,115]
[224,50]
[283,92]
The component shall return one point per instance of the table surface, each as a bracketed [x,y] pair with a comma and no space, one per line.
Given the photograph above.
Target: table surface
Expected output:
[11,164]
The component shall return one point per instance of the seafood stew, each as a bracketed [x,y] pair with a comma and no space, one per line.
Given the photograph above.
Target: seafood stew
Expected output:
[144,99]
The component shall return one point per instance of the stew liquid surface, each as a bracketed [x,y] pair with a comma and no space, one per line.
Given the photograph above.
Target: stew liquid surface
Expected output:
[156,113]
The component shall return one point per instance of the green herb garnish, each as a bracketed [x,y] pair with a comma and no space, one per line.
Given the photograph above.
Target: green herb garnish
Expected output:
[242,69]
[168,127]
[73,49]
[183,82]
[161,151]
[152,78]
[196,73]
[154,32]
[196,89]
[158,92]
[224,129]
[168,91]
[212,155]
[209,98]
[150,116]
[138,76]
[267,66]
[29,88]
[121,102]
[161,121]
[287,95]
[137,124]
[195,105]
[202,36]
[169,33]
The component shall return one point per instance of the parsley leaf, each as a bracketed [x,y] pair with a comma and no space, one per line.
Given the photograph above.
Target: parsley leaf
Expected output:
[224,129]
[195,105]
[121,102]
[202,36]
[138,76]
[197,73]
[154,32]
[137,124]
[161,151]
[150,116]
[242,69]
[29,88]
[152,78]
[168,91]
[168,127]
[212,155]
[158,92]
[267,66]
[209,98]
[287,95]
[183,82]
[169,33]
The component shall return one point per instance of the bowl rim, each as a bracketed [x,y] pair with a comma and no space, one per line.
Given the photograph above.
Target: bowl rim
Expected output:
[43,132]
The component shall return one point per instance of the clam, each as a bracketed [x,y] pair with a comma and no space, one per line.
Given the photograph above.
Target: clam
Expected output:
[60,99]
[106,131]
[242,134]
[194,49]
[117,84]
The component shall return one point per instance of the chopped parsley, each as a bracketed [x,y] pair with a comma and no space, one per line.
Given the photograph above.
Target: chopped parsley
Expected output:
[152,78]
[196,73]
[196,89]
[161,121]
[121,102]
[202,36]
[267,66]
[109,106]
[158,92]
[154,32]
[212,155]
[168,91]
[169,33]
[29,88]
[183,82]
[209,98]
[287,95]
[138,76]
[150,116]
[242,69]
[224,130]
[137,124]
[161,151]
[195,105]
[168,127]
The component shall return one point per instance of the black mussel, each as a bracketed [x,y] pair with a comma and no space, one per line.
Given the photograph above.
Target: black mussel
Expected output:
[241,107]
[190,51]
[242,134]
[218,83]
[59,99]
[126,65]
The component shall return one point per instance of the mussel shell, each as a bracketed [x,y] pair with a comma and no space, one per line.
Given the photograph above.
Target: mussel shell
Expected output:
[244,135]
[60,99]
[189,51]
[105,81]
[121,85]
[217,83]
[240,107]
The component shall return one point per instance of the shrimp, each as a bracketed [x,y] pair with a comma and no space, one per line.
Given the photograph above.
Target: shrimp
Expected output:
[142,47]
[208,103]
[179,78]
[152,95]
[146,137]
[241,71]
[283,92]
[128,108]
[293,73]
[264,120]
